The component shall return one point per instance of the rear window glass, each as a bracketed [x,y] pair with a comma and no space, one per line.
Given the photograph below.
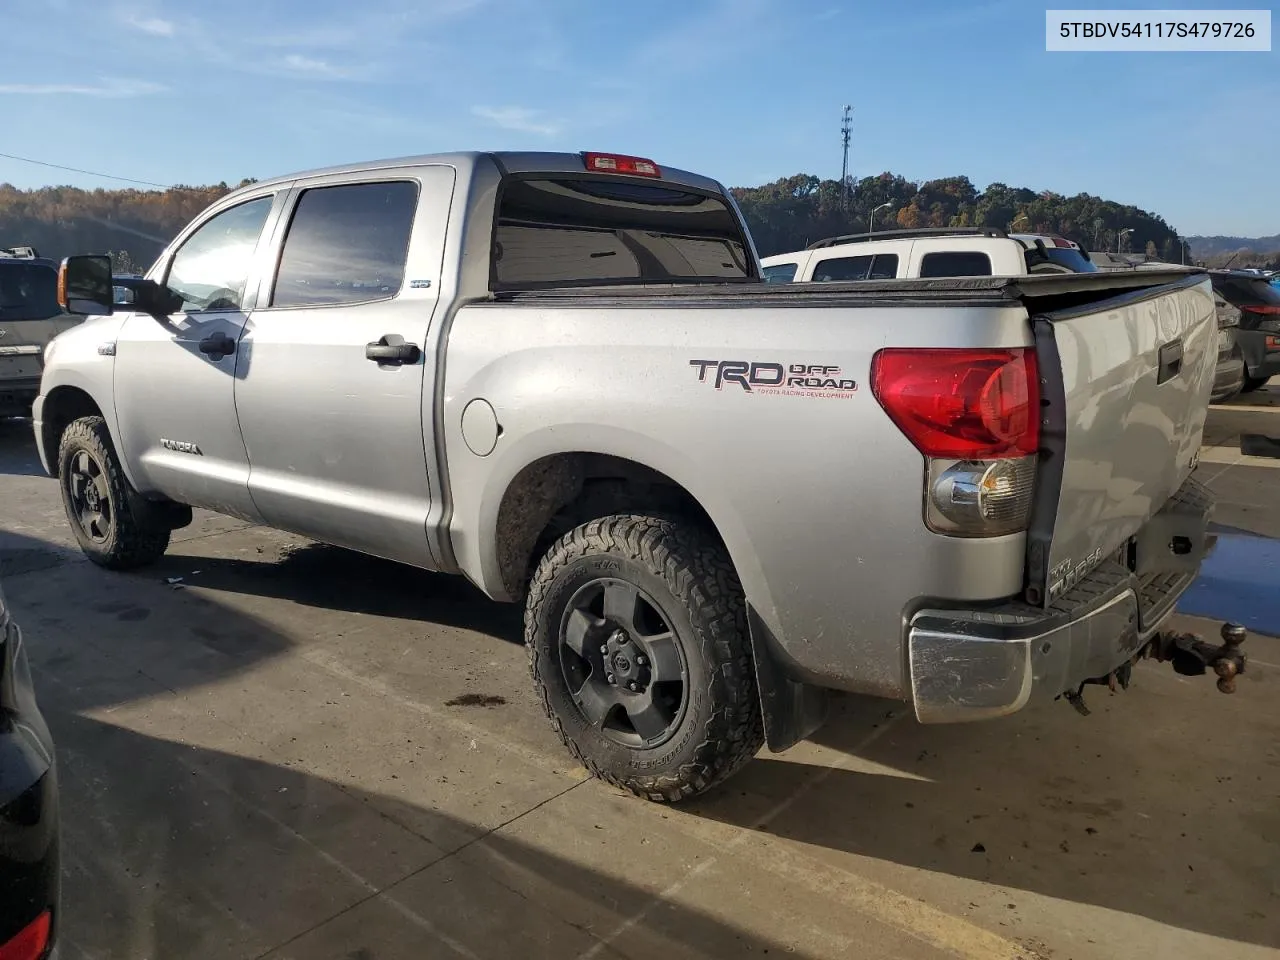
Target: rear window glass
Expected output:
[1246,291]
[958,263]
[779,273]
[28,291]
[588,231]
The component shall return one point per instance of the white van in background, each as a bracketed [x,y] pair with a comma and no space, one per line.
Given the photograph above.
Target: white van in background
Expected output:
[939,252]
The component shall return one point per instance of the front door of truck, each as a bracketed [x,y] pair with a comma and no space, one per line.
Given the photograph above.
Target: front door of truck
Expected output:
[334,393]
[175,376]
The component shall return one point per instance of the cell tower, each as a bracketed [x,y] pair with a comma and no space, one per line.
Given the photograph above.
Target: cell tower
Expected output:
[846,129]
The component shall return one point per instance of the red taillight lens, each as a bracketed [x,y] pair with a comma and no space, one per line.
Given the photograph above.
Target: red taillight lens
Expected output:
[619,163]
[966,404]
[30,943]
[1267,309]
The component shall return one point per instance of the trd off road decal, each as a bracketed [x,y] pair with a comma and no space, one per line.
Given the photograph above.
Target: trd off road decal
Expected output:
[776,379]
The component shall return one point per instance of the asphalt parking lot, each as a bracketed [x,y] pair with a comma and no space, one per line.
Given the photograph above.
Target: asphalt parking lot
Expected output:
[292,751]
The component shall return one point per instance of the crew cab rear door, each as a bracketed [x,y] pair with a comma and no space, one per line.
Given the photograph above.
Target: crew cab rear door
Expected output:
[334,400]
[1124,433]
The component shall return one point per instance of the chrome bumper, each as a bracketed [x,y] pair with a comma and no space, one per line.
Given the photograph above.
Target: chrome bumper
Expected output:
[974,665]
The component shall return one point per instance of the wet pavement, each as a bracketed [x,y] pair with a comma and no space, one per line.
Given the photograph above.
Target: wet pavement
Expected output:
[298,752]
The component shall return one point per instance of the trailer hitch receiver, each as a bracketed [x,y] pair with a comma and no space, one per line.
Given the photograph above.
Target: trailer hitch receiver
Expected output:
[1191,656]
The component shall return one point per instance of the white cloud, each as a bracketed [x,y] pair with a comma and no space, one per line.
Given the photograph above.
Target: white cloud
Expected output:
[519,119]
[152,25]
[107,88]
[313,66]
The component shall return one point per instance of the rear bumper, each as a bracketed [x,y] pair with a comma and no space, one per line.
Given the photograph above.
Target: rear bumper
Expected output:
[1261,352]
[974,664]
[17,395]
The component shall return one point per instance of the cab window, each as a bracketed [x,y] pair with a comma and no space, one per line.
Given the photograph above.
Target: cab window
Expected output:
[211,268]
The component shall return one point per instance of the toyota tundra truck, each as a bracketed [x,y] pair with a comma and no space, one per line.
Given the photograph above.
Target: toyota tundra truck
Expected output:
[563,377]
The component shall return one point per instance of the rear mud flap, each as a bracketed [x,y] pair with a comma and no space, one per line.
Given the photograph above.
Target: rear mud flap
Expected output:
[792,710]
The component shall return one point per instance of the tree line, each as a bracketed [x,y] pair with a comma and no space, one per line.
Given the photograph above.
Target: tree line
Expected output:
[132,225]
[788,214]
[793,212]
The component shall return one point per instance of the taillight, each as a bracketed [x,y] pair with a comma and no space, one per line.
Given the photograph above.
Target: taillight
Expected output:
[30,942]
[620,163]
[1267,309]
[974,414]
[966,404]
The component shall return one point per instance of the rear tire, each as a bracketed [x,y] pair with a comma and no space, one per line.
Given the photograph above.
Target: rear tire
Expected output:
[638,644]
[110,521]
[1254,383]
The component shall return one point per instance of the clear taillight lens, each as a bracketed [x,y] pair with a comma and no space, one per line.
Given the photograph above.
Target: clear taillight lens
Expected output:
[980,498]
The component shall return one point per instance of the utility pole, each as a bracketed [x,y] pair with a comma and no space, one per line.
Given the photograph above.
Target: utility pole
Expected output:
[846,130]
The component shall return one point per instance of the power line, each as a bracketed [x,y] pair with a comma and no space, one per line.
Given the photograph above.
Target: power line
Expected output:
[91,173]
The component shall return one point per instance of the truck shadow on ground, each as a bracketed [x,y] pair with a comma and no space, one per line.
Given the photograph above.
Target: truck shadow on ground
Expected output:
[332,578]
[210,844]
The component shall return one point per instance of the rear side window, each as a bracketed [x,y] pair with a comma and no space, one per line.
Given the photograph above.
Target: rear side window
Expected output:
[780,273]
[588,231]
[346,244]
[882,266]
[956,263]
[842,268]
[28,291]
[885,267]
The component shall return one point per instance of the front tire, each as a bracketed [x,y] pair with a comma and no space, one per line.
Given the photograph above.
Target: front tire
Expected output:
[638,643]
[1254,383]
[108,518]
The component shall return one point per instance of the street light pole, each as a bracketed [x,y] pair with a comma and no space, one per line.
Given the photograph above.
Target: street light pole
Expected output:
[1120,238]
[882,206]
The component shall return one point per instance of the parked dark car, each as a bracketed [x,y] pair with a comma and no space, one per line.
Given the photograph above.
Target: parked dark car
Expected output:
[1258,335]
[29,829]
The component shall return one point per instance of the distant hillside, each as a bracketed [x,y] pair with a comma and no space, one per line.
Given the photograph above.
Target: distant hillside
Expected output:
[1212,246]
[134,225]
[793,212]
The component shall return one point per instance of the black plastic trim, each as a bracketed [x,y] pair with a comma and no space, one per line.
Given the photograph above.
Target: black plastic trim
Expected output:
[1050,465]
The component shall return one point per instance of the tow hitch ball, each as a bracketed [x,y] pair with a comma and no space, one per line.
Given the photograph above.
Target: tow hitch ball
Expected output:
[1189,656]
[1192,656]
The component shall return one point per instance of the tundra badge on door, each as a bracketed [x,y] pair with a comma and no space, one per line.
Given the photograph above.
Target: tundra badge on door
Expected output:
[181,446]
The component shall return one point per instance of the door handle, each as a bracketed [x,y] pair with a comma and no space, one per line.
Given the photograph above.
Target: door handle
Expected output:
[217,346]
[392,349]
[1170,361]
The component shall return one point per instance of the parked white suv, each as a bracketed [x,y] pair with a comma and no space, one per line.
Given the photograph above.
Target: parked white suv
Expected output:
[940,252]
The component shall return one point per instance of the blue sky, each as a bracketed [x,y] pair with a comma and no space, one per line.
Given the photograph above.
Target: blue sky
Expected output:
[742,90]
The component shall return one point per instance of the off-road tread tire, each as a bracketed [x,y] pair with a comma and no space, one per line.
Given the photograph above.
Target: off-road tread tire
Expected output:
[138,539]
[701,578]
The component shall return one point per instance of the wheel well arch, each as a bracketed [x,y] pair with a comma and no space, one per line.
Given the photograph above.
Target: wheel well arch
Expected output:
[62,406]
[557,492]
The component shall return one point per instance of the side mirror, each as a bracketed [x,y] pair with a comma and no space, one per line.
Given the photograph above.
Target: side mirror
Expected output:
[84,285]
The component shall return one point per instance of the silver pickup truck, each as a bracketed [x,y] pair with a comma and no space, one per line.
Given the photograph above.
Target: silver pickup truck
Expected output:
[562,377]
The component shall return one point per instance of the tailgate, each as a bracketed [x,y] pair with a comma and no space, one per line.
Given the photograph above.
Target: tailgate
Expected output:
[1122,427]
